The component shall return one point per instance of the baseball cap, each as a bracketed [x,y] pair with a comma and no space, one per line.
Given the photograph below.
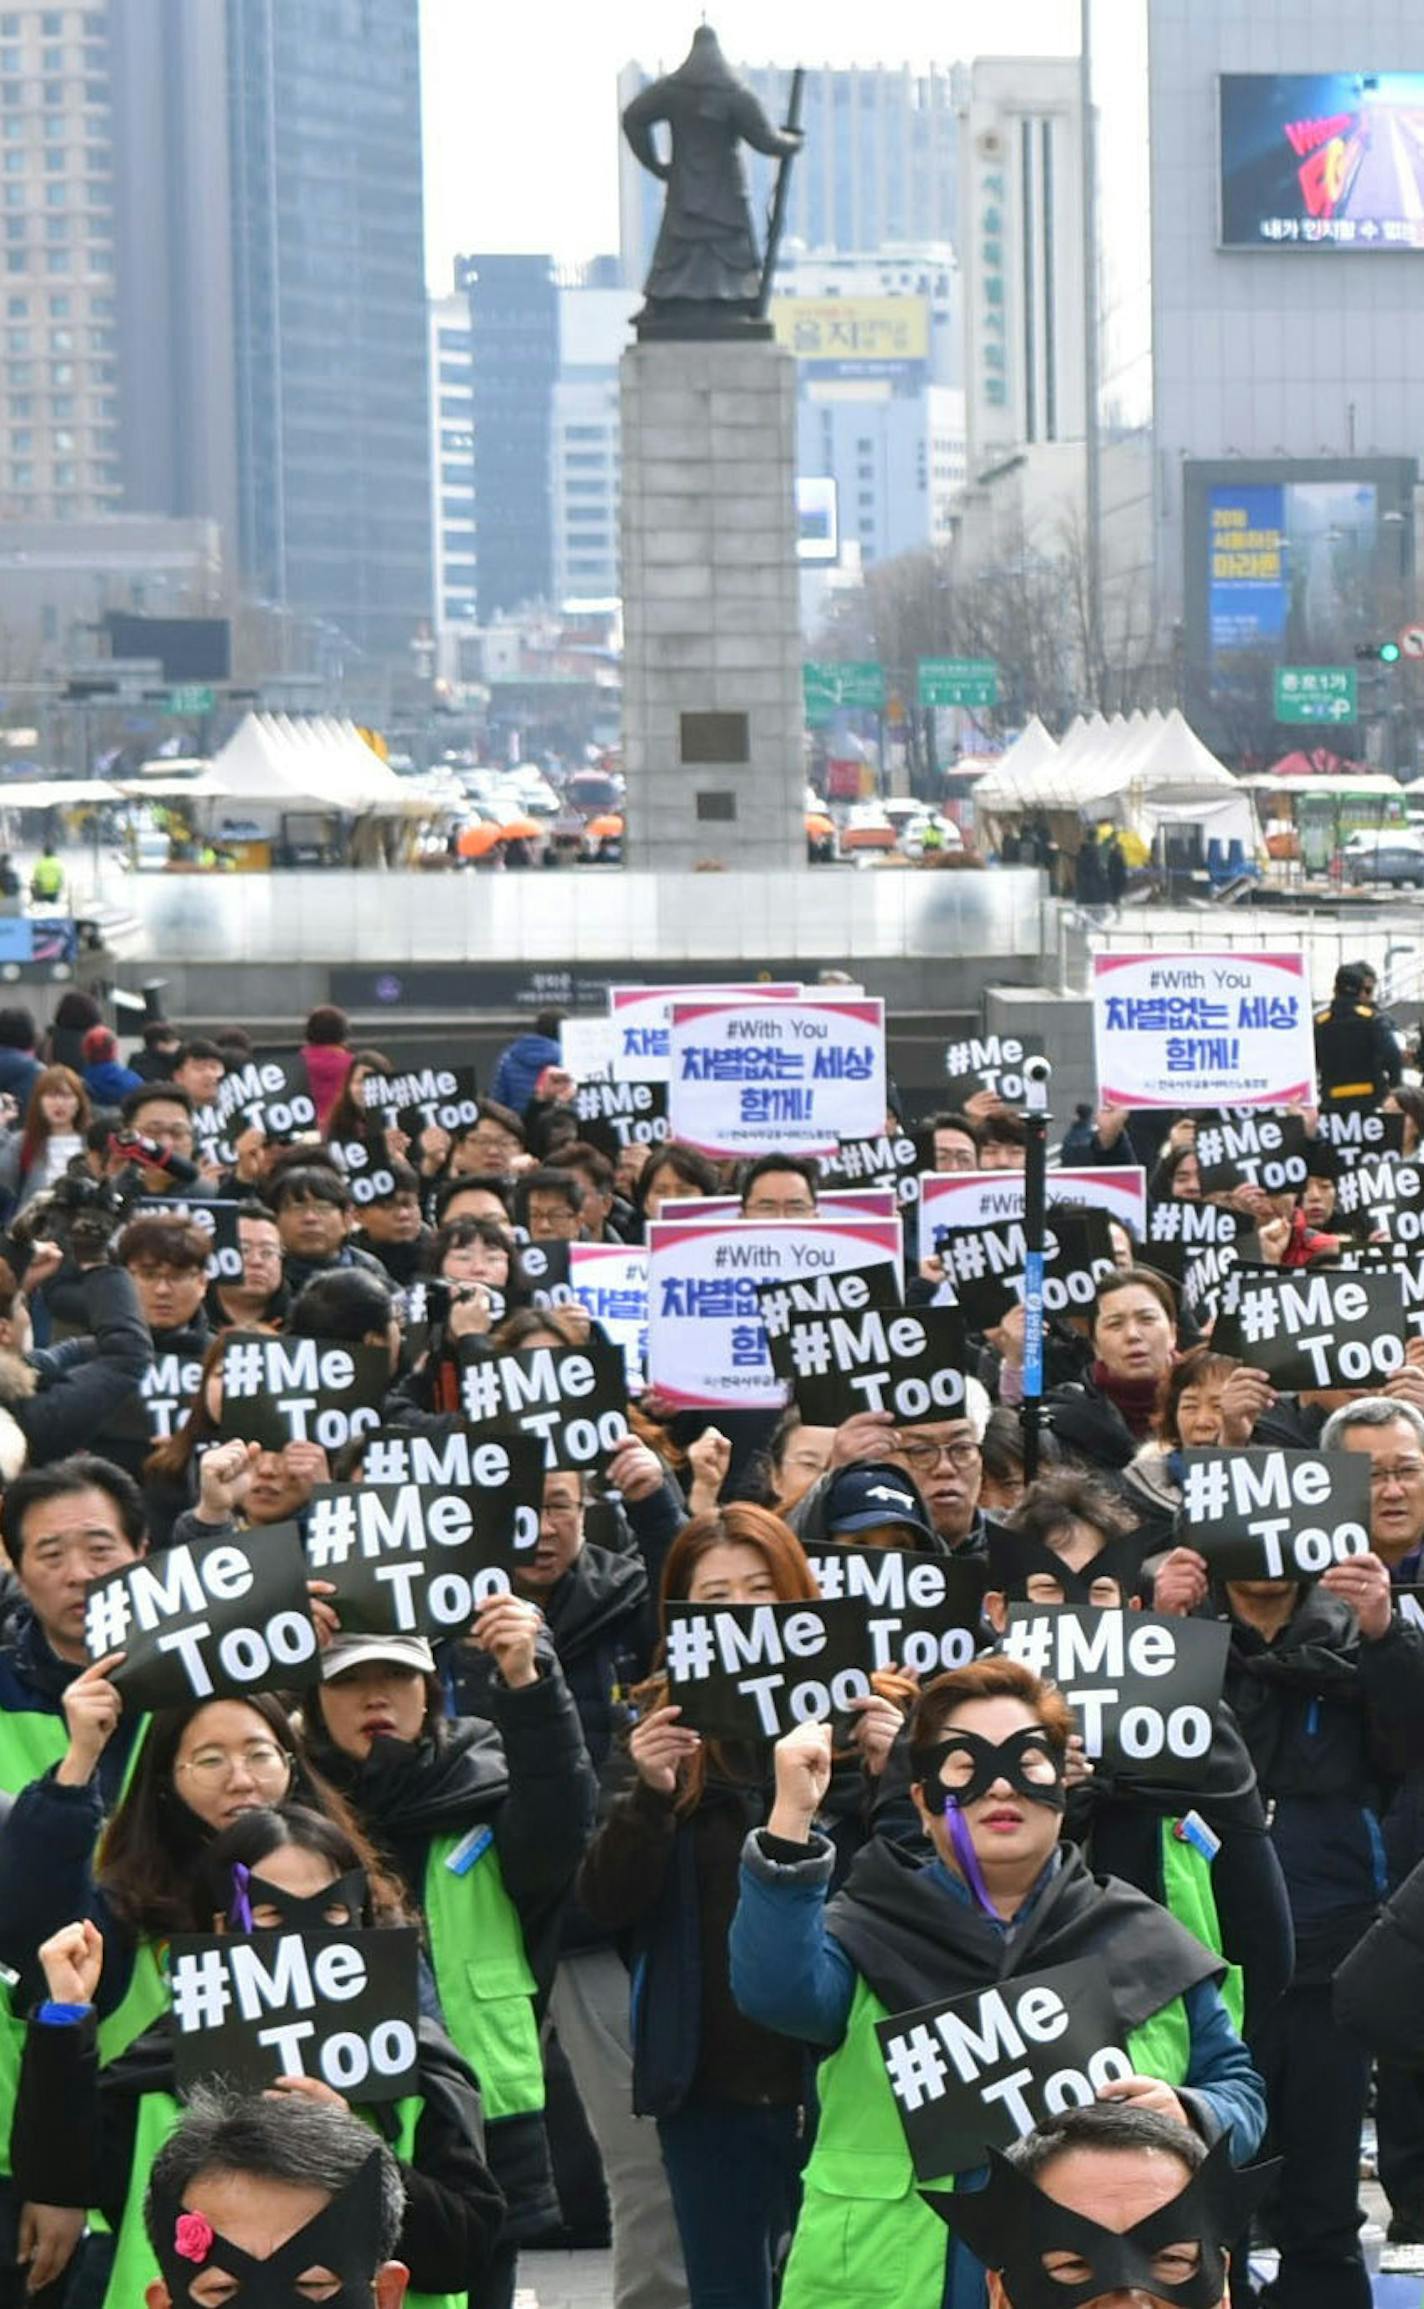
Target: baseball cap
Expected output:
[862,1496]
[345,1652]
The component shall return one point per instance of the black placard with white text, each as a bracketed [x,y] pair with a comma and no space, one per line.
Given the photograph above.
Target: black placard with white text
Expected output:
[277,1391]
[366,1165]
[267,1092]
[454,1458]
[1313,1326]
[1177,1229]
[574,1398]
[992,1062]
[754,1671]
[419,1559]
[848,1293]
[1145,1687]
[892,1160]
[1274,1514]
[539,1275]
[978,2071]
[614,1115]
[985,1265]
[910,1362]
[1357,1135]
[1384,1192]
[218,1222]
[927,1608]
[433,1097]
[210,1619]
[1252,1150]
[340,2006]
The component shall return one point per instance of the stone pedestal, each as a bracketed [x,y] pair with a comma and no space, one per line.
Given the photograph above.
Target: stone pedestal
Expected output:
[712,712]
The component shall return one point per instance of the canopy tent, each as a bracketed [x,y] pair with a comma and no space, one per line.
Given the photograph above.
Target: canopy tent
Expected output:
[1015,771]
[1141,774]
[274,763]
[55,793]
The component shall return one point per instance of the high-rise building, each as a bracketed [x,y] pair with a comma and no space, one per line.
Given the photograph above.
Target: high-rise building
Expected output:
[60,436]
[585,462]
[514,337]
[879,163]
[452,475]
[329,313]
[1260,336]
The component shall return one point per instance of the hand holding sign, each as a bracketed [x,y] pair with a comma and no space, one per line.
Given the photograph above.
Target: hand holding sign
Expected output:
[508,1630]
[92,1708]
[658,1746]
[1363,1583]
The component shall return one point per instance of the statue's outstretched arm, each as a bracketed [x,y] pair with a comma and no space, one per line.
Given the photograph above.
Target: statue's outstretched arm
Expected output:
[639,119]
[757,130]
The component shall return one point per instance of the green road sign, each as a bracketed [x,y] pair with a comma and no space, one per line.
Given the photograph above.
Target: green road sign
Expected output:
[828,686]
[1316,693]
[190,698]
[958,681]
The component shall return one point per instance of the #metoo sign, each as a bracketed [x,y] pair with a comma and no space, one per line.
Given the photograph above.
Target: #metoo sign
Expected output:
[277,1391]
[1144,1687]
[978,2071]
[214,1619]
[753,1671]
[340,2006]
[1316,1327]
[1274,1514]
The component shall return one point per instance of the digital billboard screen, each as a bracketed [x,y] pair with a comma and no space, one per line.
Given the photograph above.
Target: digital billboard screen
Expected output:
[1322,160]
[1290,568]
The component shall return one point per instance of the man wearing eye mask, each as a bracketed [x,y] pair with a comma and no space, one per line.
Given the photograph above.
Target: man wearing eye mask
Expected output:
[1106,2207]
[996,1897]
[263,2204]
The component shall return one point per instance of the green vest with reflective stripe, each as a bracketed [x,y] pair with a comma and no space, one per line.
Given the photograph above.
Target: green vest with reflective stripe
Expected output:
[31,1745]
[482,1973]
[1188,1893]
[865,2234]
[47,880]
[134,2263]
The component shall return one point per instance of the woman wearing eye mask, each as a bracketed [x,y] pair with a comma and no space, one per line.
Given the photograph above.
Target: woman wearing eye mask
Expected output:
[283,1869]
[996,1897]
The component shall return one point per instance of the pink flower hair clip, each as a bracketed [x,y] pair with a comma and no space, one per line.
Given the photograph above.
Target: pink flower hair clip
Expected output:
[192,2237]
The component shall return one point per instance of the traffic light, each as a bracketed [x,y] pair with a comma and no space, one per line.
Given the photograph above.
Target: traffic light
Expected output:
[1387,652]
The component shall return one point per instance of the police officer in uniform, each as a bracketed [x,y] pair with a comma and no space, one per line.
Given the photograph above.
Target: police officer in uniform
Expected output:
[1356,1056]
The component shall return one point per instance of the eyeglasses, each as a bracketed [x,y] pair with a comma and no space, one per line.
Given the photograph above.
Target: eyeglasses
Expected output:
[1408,1471]
[925,1455]
[263,1759]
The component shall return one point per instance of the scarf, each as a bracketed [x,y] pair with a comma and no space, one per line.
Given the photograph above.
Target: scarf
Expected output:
[1135,1400]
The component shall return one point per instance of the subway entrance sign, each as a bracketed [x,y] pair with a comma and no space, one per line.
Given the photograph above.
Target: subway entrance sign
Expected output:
[1316,693]
[958,681]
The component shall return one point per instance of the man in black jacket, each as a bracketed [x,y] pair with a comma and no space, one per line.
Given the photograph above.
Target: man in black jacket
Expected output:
[60,1397]
[1356,1056]
[167,1259]
[1316,1676]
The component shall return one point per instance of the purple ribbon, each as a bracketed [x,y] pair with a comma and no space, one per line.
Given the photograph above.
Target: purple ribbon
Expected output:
[240,1912]
[966,1855]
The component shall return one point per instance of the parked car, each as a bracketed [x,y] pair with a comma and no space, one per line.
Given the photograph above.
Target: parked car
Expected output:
[1400,864]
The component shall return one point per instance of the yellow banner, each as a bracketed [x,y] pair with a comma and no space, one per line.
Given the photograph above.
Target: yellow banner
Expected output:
[853,331]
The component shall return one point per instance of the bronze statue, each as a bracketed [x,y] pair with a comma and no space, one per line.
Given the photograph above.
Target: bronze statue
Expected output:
[706,277]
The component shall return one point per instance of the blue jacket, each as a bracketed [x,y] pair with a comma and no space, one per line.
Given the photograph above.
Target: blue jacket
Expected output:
[109,1083]
[20,1070]
[520,1067]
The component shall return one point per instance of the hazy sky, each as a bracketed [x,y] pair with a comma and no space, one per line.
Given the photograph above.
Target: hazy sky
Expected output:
[520,110]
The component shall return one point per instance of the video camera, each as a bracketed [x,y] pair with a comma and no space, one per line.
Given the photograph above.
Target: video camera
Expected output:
[82,1213]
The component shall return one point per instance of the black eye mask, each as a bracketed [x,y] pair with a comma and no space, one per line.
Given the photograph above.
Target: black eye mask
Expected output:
[308,1914]
[344,2237]
[991,1763]
[1010,2225]
[1014,1558]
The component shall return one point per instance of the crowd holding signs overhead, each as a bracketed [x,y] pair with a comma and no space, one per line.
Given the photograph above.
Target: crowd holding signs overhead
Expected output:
[656,1647]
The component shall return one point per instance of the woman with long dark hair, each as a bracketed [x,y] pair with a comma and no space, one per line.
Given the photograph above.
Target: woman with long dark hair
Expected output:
[276,1867]
[56,1119]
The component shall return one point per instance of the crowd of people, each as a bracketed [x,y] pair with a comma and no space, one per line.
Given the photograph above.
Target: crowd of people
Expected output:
[656,1965]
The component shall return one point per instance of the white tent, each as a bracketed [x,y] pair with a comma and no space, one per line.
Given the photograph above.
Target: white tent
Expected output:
[1015,771]
[274,763]
[55,793]
[1143,773]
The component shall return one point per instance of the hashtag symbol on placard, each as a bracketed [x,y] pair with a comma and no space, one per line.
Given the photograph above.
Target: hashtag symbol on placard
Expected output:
[775,1312]
[968,1258]
[1205,1490]
[810,1350]
[107,1615]
[1030,1642]
[242,1368]
[586,1104]
[331,1529]
[1166,1222]
[199,1989]
[1208,1148]
[956,1058]
[481,1390]
[830,1577]
[386,1460]
[690,1650]
[1259,1315]
[916,2067]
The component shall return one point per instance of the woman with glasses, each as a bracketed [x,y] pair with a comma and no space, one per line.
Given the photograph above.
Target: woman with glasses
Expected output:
[942,1459]
[198,1770]
[485,1820]
[276,1867]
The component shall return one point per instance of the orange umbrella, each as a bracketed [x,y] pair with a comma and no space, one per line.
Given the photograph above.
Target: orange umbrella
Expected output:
[606,829]
[519,830]
[477,839]
[819,827]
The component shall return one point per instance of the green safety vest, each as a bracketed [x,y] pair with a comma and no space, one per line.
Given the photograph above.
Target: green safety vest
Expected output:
[865,2234]
[1188,1894]
[134,2263]
[482,1973]
[30,1745]
[47,880]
